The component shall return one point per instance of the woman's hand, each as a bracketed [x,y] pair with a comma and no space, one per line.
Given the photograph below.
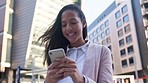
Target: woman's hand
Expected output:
[68,68]
[52,75]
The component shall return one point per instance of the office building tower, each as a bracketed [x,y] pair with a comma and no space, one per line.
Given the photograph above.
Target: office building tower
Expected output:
[120,27]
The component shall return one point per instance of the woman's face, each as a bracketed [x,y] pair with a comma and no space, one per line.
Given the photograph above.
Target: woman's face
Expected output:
[72,27]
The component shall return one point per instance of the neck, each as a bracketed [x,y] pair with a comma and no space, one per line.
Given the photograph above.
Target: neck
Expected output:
[77,44]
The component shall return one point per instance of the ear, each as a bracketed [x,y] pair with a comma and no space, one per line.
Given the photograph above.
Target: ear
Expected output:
[84,24]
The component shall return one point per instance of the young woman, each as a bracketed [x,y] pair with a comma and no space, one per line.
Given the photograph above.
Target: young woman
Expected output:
[85,62]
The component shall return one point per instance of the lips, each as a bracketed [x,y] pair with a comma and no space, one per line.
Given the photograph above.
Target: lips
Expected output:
[71,34]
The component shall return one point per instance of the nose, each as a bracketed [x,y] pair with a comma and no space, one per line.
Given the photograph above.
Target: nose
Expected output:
[68,27]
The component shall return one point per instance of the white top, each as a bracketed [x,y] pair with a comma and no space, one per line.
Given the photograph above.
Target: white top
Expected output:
[78,55]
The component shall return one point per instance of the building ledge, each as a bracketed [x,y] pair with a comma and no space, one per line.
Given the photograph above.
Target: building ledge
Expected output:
[3,65]
[142,2]
[145,12]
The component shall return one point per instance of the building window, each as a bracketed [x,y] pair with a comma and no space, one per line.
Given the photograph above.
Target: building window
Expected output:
[110,47]
[94,33]
[102,35]
[117,14]
[108,40]
[107,31]
[112,57]
[99,37]
[106,23]
[130,50]
[11,3]
[122,52]
[120,33]
[126,18]
[124,63]
[98,30]
[95,40]
[131,60]
[129,39]
[113,66]
[10,23]
[121,42]
[103,42]
[102,27]
[119,23]
[124,9]
[90,36]
[127,28]
[8,53]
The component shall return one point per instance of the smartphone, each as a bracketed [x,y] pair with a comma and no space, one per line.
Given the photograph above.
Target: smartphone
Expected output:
[56,53]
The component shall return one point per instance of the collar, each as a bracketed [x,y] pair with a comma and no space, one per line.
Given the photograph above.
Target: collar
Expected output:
[83,47]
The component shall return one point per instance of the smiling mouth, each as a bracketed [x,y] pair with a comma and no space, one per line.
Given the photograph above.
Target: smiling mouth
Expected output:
[71,34]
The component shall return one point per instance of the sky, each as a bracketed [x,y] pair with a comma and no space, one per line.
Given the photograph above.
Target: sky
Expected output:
[93,8]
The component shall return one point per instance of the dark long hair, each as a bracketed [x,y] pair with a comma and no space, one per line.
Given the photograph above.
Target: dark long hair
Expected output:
[53,37]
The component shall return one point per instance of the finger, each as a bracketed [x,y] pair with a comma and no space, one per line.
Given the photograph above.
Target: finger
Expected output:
[66,59]
[58,76]
[52,71]
[63,70]
[53,65]
[55,76]
[69,73]
[67,65]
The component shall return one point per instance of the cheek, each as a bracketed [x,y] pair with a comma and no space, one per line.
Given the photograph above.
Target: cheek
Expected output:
[80,28]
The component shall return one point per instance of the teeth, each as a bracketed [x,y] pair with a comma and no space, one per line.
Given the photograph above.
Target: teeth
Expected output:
[70,34]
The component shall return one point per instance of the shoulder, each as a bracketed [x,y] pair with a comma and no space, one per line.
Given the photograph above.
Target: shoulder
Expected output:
[102,47]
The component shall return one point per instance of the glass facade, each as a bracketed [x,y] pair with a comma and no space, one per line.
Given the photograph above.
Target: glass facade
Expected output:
[120,33]
[108,40]
[121,42]
[117,14]
[129,39]
[122,52]
[119,23]
[107,31]
[131,60]
[130,50]
[11,4]
[10,23]
[127,28]
[102,35]
[126,18]
[99,37]
[124,63]
[106,23]
[102,27]
[124,9]
[8,53]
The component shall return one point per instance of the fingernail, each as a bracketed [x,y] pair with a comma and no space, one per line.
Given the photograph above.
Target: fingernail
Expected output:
[57,59]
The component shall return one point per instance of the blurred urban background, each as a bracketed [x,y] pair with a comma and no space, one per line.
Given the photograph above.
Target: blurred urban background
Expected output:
[122,27]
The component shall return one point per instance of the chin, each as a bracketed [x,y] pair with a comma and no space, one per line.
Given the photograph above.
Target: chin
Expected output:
[72,41]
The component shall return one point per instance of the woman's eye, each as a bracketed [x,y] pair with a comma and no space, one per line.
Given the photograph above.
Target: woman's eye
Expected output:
[73,22]
[63,25]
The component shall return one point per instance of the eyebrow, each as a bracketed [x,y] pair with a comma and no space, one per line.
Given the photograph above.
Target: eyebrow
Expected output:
[73,19]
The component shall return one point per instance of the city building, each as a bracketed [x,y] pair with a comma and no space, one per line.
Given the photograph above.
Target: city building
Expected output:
[144,6]
[6,14]
[22,22]
[144,10]
[120,27]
